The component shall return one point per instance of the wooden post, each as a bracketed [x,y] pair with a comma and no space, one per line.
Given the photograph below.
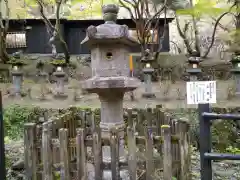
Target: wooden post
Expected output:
[114,145]
[81,154]
[167,155]
[64,154]
[46,153]
[185,156]
[158,121]
[140,120]
[129,117]
[97,153]
[149,145]
[132,159]
[30,151]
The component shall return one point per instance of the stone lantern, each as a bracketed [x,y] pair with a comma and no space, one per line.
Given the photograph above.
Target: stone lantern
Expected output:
[193,66]
[148,71]
[109,44]
[236,71]
[17,74]
[43,76]
[17,77]
[60,77]
[43,79]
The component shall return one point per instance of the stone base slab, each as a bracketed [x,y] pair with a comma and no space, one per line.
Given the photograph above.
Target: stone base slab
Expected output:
[97,84]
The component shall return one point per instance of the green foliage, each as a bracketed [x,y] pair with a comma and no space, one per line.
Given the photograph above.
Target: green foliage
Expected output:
[70,9]
[17,62]
[14,118]
[40,64]
[58,62]
[224,133]
[202,8]
[233,150]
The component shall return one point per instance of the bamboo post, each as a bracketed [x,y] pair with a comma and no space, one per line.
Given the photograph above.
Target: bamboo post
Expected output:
[64,154]
[114,145]
[81,154]
[132,159]
[30,151]
[167,155]
[46,153]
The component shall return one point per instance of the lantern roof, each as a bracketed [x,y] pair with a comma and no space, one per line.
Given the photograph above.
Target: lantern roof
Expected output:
[109,32]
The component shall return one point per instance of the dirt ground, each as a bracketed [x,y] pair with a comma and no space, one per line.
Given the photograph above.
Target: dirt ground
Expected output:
[174,98]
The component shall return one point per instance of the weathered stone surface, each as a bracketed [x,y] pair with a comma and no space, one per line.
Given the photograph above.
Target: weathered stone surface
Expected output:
[104,83]
[110,70]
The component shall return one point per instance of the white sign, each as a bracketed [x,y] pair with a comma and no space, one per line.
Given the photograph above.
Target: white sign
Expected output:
[201,92]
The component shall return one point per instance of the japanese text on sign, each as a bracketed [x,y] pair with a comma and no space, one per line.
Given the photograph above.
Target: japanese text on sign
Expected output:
[201,92]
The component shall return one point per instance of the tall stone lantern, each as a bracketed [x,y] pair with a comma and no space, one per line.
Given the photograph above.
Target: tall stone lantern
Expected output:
[236,72]
[109,44]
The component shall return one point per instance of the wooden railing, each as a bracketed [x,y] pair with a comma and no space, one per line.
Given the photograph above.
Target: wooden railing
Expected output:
[60,145]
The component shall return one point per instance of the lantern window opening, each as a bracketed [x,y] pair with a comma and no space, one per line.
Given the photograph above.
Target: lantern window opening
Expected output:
[238,65]
[109,55]
[148,65]
[195,66]
[16,40]
[59,69]
[15,68]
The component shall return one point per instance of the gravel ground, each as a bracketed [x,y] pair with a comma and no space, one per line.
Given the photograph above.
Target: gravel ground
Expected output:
[224,170]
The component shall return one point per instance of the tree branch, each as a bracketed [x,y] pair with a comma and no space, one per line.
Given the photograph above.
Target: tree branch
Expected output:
[214,32]
[59,34]
[7,16]
[183,36]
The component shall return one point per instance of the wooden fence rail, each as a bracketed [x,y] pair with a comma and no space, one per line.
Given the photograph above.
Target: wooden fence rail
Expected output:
[65,145]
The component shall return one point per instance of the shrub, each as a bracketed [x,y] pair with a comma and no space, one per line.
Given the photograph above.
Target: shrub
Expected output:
[224,133]
[15,116]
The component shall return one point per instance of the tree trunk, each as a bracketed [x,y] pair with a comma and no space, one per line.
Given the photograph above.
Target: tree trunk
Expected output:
[65,50]
[3,50]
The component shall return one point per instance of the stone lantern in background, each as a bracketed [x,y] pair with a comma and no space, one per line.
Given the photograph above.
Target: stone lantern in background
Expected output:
[109,44]
[17,74]
[60,78]
[147,61]
[43,79]
[236,71]
[193,68]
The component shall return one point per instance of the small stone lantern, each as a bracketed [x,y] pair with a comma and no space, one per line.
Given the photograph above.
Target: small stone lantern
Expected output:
[148,71]
[193,66]
[43,76]
[60,77]
[109,44]
[43,79]
[17,74]
[236,71]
